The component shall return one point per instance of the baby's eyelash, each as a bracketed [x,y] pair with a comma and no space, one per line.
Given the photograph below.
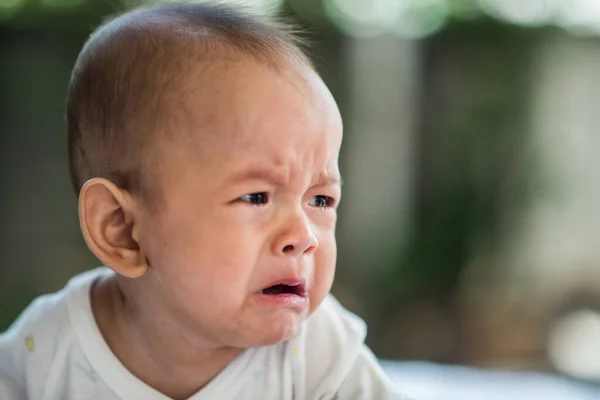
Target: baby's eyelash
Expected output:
[322,201]
[257,199]
[262,198]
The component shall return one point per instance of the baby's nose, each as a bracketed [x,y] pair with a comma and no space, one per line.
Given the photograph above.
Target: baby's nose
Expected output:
[296,239]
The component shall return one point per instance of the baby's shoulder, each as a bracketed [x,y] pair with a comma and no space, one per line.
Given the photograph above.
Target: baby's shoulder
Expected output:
[42,314]
[29,346]
[34,335]
[42,334]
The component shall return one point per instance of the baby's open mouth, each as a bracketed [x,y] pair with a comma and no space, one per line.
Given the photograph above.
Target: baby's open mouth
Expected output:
[287,294]
[294,288]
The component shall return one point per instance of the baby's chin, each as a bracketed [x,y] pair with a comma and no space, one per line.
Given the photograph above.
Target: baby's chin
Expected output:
[273,332]
[279,328]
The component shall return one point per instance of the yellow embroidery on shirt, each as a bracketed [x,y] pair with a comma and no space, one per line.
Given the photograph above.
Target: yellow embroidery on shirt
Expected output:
[295,351]
[30,343]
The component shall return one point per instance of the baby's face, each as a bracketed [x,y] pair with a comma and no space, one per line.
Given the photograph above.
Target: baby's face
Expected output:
[250,203]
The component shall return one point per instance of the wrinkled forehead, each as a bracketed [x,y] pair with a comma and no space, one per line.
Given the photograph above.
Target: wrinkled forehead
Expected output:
[244,104]
[249,117]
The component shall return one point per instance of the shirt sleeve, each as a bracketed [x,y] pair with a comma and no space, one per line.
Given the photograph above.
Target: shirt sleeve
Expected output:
[367,380]
[9,390]
[28,348]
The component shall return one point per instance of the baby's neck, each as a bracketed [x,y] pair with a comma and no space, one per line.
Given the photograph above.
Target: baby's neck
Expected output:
[161,358]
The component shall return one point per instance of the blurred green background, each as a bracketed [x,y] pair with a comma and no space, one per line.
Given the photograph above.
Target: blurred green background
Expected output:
[469,231]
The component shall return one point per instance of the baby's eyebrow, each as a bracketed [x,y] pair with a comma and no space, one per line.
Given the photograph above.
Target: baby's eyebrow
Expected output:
[277,178]
[257,173]
[334,180]
[330,180]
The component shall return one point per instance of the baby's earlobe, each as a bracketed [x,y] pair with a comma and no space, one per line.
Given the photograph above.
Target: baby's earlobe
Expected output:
[109,229]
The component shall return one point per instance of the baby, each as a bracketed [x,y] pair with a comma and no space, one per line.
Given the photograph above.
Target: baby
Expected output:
[204,149]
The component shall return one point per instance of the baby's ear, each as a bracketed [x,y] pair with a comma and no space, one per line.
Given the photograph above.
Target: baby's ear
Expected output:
[108,225]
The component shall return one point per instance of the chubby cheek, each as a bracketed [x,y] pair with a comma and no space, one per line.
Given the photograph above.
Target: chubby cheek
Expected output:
[323,272]
[205,259]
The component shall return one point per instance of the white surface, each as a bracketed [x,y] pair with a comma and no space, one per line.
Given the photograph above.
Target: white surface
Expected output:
[424,381]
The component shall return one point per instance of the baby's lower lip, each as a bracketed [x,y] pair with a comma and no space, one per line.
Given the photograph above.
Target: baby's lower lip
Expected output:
[295,302]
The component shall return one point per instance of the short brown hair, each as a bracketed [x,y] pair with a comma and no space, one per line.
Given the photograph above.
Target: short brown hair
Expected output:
[116,95]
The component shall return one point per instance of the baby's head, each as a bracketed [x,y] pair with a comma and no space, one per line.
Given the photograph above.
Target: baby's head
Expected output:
[204,148]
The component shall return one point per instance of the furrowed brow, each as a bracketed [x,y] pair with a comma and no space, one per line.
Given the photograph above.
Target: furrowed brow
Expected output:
[256,174]
[331,180]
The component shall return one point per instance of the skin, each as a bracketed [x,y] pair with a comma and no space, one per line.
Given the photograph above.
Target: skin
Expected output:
[250,198]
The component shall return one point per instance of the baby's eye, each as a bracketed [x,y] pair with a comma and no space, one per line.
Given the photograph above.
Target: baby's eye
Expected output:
[322,201]
[257,199]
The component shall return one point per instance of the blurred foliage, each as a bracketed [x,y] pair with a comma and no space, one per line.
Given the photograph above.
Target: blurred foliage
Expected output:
[476,162]
[406,18]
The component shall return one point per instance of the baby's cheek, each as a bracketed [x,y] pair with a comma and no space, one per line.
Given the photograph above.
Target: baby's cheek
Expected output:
[323,274]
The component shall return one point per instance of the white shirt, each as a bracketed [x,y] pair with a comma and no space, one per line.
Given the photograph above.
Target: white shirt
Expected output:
[55,351]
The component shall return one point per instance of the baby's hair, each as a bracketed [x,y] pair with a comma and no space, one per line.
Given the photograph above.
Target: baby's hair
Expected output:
[127,80]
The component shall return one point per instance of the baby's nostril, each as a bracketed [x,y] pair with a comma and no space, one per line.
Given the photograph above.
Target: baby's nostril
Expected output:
[288,248]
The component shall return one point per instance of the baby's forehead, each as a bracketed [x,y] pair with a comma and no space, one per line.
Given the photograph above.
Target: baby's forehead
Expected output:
[249,106]
[250,100]
[255,119]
